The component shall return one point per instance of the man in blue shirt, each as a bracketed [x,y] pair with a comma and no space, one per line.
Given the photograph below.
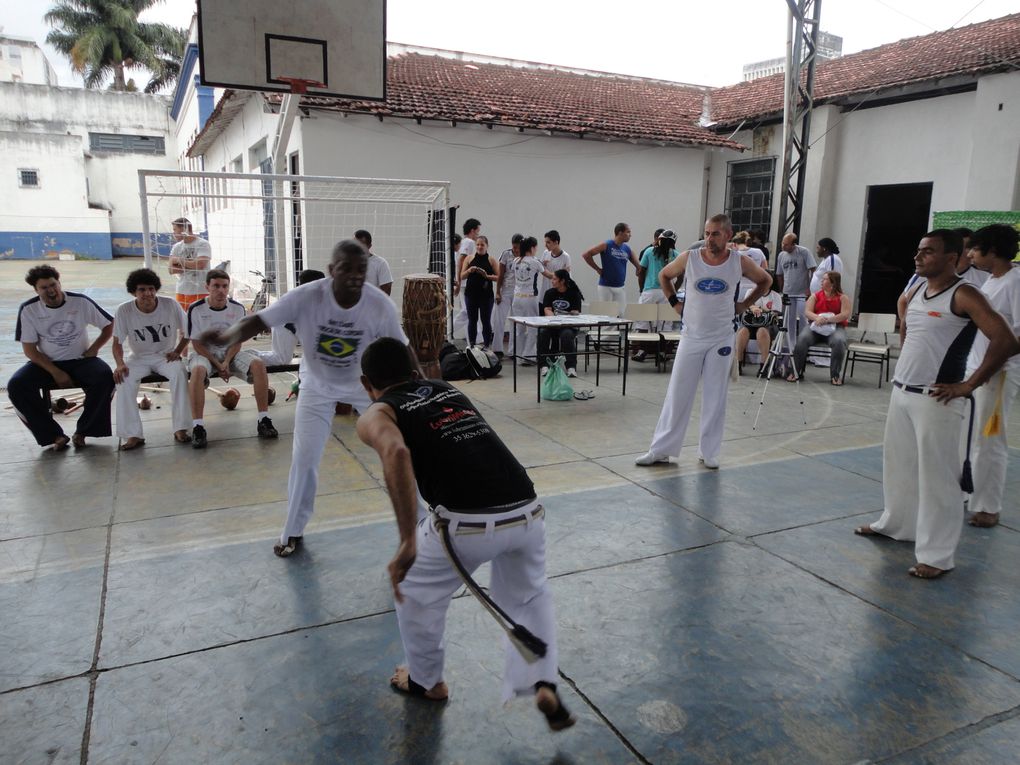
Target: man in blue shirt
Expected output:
[612,273]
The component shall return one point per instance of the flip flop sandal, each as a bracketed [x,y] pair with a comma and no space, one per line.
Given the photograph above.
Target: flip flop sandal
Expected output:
[413,689]
[581,395]
[182,439]
[286,550]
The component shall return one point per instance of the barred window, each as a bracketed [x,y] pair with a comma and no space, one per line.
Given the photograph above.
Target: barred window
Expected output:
[749,194]
[28,178]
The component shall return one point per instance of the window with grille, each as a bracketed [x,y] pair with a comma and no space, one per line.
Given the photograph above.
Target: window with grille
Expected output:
[127,144]
[28,178]
[749,194]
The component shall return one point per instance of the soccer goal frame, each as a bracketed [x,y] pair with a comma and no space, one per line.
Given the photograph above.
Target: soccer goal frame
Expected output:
[279,225]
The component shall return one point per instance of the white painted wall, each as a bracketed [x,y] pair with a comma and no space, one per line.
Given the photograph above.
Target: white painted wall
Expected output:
[112,177]
[961,143]
[521,182]
[21,60]
[993,180]
[60,201]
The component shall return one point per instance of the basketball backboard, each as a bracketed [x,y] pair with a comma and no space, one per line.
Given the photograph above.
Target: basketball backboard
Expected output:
[337,46]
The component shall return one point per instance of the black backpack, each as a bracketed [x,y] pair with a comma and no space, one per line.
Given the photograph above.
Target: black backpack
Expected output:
[470,364]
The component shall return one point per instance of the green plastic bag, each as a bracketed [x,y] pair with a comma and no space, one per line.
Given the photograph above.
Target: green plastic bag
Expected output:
[556,386]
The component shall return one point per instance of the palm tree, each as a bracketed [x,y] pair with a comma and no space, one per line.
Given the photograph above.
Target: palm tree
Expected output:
[104,38]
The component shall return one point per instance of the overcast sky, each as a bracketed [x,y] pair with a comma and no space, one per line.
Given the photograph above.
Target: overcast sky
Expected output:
[705,43]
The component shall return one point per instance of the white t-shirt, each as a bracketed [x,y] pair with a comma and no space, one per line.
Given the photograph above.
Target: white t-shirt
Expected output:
[378,271]
[334,338]
[192,280]
[773,301]
[759,260]
[553,263]
[1003,293]
[202,317]
[524,274]
[61,333]
[830,262]
[149,334]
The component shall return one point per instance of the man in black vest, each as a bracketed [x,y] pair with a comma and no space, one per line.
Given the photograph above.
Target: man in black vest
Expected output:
[420,428]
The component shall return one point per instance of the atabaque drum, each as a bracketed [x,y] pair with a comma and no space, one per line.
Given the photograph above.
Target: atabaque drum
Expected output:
[425,312]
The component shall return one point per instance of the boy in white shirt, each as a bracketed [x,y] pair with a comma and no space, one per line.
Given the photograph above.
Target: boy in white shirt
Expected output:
[214,314]
[152,326]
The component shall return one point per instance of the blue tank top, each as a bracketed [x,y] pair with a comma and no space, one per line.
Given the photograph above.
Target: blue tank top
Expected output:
[614,264]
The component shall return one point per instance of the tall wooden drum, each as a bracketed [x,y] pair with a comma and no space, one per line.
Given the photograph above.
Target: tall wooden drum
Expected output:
[425,319]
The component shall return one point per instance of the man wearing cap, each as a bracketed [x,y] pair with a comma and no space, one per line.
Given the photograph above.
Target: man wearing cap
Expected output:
[653,260]
[705,352]
[922,469]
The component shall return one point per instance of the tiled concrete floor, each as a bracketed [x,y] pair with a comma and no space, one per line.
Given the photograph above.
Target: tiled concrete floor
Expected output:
[705,617]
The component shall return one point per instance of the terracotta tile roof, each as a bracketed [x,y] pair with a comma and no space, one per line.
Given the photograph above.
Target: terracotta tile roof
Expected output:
[606,107]
[982,48]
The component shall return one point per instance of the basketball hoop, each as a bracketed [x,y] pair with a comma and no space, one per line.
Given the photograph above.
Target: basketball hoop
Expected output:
[300,86]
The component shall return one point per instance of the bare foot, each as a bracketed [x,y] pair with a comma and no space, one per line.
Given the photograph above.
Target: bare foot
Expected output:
[182,437]
[132,443]
[60,444]
[402,682]
[78,440]
[984,520]
[924,571]
[866,531]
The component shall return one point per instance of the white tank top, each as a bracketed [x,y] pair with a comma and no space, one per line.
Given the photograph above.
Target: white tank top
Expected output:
[938,341]
[711,292]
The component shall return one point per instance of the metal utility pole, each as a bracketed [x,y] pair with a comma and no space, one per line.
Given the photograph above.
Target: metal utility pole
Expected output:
[798,101]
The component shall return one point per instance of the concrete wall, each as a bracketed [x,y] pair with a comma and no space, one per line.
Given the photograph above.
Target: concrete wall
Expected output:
[993,180]
[60,120]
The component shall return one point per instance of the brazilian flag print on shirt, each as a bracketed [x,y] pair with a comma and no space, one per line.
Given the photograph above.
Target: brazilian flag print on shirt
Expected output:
[335,351]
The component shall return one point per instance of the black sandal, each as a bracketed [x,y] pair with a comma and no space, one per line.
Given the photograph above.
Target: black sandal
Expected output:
[558,717]
[286,550]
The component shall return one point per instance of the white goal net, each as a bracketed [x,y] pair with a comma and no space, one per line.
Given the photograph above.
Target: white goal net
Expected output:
[279,225]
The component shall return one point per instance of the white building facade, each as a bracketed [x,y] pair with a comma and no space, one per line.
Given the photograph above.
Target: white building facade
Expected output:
[68,169]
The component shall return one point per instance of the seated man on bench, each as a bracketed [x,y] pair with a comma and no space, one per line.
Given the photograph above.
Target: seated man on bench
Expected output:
[215,313]
[53,331]
[152,326]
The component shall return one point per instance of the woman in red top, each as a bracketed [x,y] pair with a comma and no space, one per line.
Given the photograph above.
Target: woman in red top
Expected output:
[828,311]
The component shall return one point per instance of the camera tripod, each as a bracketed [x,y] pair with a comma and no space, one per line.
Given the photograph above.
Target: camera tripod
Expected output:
[779,349]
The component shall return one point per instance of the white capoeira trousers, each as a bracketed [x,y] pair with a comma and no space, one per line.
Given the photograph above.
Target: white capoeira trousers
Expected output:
[525,338]
[517,584]
[921,469]
[283,343]
[708,361]
[616,295]
[991,453]
[657,297]
[313,422]
[129,422]
[499,313]
[460,318]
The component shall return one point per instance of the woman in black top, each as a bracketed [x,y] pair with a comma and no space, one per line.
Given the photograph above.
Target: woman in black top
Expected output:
[564,298]
[480,272]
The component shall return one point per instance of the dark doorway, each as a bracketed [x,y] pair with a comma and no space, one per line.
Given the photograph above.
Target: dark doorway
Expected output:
[897,218]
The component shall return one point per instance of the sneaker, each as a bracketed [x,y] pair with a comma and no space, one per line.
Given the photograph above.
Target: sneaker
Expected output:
[266,429]
[571,372]
[639,356]
[651,458]
[199,439]
[709,462]
[545,371]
